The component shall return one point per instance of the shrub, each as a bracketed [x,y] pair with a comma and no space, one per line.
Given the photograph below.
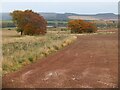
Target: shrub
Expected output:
[9,29]
[63,29]
[80,26]
[30,59]
[21,60]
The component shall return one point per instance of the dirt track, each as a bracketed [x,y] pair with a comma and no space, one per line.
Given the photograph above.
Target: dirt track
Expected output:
[90,62]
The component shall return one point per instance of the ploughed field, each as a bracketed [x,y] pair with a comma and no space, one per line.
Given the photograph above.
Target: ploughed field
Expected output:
[90,62]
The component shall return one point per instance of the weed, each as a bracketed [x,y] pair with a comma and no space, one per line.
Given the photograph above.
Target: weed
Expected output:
[30,59]
[21,60]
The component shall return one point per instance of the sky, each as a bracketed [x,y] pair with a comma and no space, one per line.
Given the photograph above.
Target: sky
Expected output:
[59,0]
[62,6]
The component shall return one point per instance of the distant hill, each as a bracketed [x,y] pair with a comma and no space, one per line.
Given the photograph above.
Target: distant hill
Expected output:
[107,16]
[6,16]
[67,16]
[103,16]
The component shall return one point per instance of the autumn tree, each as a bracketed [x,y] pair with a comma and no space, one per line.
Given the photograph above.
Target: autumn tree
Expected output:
[29,22]
[80,26]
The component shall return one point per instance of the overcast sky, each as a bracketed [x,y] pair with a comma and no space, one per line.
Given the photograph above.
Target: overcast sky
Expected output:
[68,6]
[60,0]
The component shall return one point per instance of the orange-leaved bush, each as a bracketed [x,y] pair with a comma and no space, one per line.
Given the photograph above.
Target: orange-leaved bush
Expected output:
[80,26]
[29,22]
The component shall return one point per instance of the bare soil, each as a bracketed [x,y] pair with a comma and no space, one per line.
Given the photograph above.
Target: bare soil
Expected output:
[90,62]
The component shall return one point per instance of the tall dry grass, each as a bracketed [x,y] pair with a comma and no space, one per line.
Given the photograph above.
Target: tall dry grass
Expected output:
[19,51]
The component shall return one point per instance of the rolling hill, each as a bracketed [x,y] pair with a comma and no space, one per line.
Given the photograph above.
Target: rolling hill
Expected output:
[67,16]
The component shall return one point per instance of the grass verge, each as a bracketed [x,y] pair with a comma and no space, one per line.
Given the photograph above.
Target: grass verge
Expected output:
[20,51]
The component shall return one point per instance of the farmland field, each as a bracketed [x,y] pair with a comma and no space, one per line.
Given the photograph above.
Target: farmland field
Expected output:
[100,24]
[90,62]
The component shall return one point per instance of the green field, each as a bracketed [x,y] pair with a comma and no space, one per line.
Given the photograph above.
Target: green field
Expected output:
[9,21]
[98,23]
[57,22]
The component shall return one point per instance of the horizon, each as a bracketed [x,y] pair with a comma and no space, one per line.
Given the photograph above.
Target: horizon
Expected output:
[67,13]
